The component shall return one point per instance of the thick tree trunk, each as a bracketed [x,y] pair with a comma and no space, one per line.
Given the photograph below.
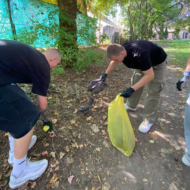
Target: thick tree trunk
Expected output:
[69,7]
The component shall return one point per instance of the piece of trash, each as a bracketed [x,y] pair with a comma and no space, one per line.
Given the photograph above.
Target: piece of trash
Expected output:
[81,146]
[83,108]
[75,111]
[45,153]
[91,100]
[70,179]
[176,159]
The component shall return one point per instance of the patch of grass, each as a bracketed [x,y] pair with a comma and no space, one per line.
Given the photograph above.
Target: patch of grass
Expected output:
[161,42]
[178,52]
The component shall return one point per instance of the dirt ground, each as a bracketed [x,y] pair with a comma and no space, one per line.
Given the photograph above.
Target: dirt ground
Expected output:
[88,156]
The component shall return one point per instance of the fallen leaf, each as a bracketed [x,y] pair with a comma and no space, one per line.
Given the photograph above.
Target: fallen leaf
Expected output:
[6,134]
[52,154]
[70,160]
[162,127]
[106,144]
[151,141]
[94,128]
[70,179]
[177,147]
[89,118]
[24,186]
[136,140]
[73,121]
[104,117]
[106,186]
[45,153]
[57,168]
[61,155]
[81,146]
[33,185]
[67,149]
[54,121]
[55,185]
[75,111]
[173,187]
[47,144]
[6,175]
[98,149]
[103,132]
[163,150]
[145,180]
[106,123]
[54,178]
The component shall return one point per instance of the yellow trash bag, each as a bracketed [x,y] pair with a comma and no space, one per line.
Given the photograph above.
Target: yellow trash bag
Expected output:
[119,127]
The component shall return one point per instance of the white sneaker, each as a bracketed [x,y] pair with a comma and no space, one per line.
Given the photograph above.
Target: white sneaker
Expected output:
[32,171]
[11,154]
[186,159]
[145,127]
[129,108]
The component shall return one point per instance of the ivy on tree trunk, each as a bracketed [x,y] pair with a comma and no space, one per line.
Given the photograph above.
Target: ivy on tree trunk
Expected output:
[68,44]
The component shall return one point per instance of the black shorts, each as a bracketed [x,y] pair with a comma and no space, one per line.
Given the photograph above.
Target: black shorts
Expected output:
[18,114]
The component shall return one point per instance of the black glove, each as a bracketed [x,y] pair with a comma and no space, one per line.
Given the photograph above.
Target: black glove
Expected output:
[103,77]
[127,93]
[48,126]
[183,80]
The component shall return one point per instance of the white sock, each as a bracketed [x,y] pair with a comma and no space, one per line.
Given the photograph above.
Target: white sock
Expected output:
[11,143]
[18,166]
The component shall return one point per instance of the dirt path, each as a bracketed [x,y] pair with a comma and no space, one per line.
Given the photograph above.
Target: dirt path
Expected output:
[88,156]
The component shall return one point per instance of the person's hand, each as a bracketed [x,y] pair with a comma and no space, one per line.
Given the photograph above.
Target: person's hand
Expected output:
[103,77]
[48,126]
[127,93]
[183,80]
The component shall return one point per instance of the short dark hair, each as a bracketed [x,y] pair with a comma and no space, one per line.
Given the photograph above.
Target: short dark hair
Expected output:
[114,50]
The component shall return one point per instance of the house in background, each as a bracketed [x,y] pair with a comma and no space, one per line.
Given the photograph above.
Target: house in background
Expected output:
[108,27]
[183,34]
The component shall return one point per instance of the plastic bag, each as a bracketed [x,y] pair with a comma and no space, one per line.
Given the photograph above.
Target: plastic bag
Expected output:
[119,127]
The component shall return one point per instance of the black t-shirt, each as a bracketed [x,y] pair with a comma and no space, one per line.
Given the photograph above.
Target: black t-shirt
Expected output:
[143,55]
[21,63]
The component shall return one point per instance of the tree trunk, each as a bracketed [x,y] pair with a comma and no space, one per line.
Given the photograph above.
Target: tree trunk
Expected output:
[70,8]
[11,21]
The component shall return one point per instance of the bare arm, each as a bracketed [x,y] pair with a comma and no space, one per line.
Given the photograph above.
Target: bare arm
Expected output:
[111,67]
[188,65]
[43,107]
[148,76]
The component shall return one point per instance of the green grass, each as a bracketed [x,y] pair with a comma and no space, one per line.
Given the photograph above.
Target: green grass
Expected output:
[178,52]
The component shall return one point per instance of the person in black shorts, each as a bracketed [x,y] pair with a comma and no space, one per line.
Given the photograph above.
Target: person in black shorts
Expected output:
[20,63]
[149,64]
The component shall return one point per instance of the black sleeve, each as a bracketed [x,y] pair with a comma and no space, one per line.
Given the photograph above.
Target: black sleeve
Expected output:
[41,80]
[145,62]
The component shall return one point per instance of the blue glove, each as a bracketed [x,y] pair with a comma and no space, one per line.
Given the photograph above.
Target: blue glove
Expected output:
[127,93]
[183,80]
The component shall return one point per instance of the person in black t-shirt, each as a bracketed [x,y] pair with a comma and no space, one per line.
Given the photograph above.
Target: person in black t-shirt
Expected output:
[20,63]
[149,63]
